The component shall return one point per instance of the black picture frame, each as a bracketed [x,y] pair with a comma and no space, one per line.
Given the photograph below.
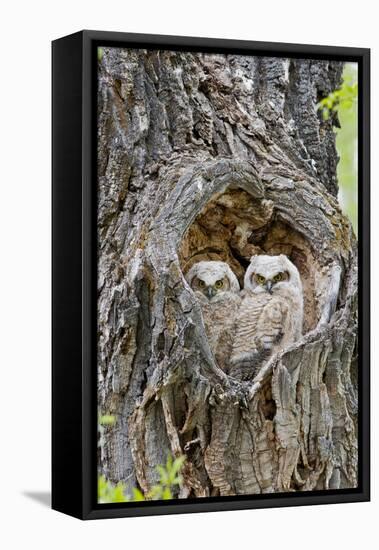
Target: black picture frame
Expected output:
[74,416]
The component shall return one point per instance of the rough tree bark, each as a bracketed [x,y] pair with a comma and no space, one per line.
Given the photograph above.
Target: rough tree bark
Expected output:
[219,157]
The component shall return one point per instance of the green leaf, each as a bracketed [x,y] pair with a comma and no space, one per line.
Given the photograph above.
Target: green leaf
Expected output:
[163,474]
[166,495]
[107,419]
[178,480]
[178,463]
[155,493]
[169,477]
[138,496]
[118,493]
[107,492]
[169,462]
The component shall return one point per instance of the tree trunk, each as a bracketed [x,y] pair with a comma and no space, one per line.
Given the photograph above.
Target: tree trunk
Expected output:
[207,156]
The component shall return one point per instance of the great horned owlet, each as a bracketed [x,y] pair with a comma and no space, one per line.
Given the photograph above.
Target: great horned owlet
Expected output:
[270,317]
[217,289]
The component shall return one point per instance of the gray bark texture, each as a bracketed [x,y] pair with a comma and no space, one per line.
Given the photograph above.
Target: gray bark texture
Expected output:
[209,156]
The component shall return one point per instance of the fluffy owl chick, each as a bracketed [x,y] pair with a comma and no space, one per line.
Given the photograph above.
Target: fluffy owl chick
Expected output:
[270,317]
[217,289]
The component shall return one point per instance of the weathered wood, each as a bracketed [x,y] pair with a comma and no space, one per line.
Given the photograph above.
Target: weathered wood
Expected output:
[219,157]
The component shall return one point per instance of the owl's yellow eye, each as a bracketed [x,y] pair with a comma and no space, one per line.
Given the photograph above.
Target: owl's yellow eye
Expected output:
[278,277]
[219,284]
[201,283]
[260,279]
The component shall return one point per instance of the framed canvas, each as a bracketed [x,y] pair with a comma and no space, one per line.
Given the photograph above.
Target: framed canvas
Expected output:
[210,275]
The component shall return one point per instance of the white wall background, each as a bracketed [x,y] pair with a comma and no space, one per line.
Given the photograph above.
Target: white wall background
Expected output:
[27,29]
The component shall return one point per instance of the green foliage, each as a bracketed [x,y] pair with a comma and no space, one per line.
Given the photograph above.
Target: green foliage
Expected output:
[107,492]
[100,53]
[347,147]
[344,101]
[169,478]
[107,419]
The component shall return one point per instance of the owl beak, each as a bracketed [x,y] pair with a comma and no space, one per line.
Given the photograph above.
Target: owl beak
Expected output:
[268,286]
[210,292]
